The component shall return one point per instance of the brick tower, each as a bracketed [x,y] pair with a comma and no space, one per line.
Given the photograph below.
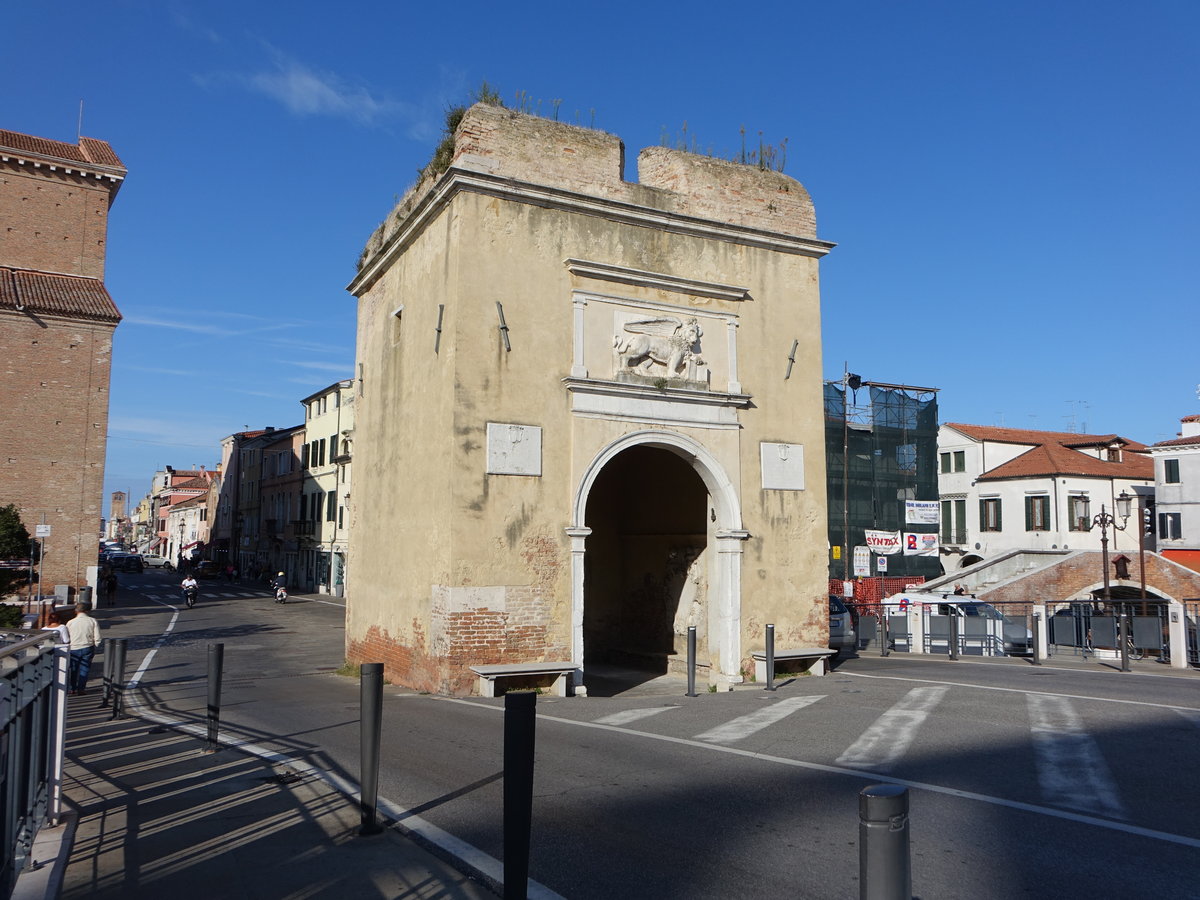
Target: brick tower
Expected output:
[56,329]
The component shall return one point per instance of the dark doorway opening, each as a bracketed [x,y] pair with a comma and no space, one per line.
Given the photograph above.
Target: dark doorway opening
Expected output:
[646,572]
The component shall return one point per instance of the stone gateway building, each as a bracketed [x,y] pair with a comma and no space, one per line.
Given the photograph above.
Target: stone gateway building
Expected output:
[589,413]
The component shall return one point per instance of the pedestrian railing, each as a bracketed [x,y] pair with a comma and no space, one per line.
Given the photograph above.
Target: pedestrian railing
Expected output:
[33,681]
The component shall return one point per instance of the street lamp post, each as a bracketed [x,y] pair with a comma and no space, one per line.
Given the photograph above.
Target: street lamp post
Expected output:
[1107,520]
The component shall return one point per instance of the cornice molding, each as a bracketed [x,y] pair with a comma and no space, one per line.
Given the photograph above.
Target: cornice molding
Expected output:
[456,180]
[584,268]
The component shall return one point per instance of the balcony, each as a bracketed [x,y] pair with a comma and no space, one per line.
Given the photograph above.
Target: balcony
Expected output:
[302,527]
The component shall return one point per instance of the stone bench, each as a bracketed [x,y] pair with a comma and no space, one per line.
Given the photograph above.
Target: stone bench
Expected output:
[489,674]
[818,657]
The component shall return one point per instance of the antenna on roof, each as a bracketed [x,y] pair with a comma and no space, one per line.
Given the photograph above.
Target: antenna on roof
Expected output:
[79,128]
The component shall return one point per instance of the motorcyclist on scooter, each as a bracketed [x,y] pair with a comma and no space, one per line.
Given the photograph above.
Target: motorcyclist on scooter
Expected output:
[190,588]
[279,584]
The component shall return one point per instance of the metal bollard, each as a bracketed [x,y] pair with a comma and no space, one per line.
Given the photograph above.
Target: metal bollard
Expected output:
[1037,639]
[519,720]
[953,648]
[1123,639]
[691,661]
[884,866]
[106,647]
[216,666]
[118,678]
[883,633]
[770,658]
[370,719]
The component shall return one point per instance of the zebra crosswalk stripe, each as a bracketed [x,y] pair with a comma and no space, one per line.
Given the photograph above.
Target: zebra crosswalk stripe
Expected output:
[743,727]
[881,745]
[624,717]
[1070,769]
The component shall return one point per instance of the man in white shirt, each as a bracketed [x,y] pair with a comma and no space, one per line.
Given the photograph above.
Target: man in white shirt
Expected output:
[85,638]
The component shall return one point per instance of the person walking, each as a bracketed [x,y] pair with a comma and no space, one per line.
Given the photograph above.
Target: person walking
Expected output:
[85,638]
[55,623]
[110,593]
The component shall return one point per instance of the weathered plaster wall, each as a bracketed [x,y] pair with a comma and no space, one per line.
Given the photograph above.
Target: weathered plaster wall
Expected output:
[453,566]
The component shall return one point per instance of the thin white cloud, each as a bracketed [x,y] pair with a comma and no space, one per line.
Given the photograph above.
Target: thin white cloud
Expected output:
[306,91]
[308,346]
[266,394]
[319,366]
[198,327]
[181,433]
[155,371]
[208,327]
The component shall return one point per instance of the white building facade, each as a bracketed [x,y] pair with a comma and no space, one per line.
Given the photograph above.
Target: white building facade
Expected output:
[1177,493]
[1008,489]
[324,518]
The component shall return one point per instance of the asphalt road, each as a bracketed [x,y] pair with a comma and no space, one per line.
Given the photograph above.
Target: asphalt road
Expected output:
[1024,781]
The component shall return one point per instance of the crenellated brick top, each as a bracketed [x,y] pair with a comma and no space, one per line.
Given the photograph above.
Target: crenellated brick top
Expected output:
[507,144]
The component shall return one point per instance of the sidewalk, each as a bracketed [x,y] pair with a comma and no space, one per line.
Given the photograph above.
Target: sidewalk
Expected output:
[152,815]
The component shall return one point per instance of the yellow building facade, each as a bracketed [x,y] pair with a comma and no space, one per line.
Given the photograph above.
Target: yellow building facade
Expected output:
[588,413]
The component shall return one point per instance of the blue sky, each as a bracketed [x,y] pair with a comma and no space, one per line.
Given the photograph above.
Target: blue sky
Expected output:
[1012,187]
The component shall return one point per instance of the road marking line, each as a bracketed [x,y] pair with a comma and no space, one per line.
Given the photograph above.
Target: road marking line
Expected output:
[488,868]
[867,777]
[632,715]
[886,740]
[1070,769]
[737,729]
[986,687]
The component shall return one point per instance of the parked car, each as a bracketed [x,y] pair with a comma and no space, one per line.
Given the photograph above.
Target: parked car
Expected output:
[130,562]
[154,561]
[206,568]
[1015,637]
[841,627]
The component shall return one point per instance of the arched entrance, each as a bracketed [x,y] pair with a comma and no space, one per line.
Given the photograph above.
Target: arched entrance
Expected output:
[645,576]
[656,547]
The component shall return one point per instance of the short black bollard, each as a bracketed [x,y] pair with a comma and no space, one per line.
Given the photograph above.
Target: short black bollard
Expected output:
[1123,637]
[884,866]
[118,678]
[770,661]
[1037,639]
[691,662]
[106,647]
[216,666]
[370,719]
[520,717]
[952,649]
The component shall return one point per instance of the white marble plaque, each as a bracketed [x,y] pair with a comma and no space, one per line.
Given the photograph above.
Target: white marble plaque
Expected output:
[514,449]
[782,467]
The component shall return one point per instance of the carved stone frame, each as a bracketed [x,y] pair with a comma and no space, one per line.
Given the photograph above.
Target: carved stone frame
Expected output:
[725,568]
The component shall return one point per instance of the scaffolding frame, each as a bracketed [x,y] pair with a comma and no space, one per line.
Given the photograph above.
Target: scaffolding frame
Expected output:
[879,453]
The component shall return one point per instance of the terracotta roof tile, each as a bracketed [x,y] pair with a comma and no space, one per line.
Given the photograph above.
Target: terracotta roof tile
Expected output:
[1179,441]
[1028,436]
[88,151]
[56,295]
[1060,453]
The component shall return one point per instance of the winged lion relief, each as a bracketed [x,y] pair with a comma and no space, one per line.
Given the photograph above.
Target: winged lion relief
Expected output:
[658,345]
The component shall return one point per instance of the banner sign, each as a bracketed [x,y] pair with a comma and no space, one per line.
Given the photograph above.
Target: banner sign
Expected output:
[922,512]
[884,543]
[862,562]
[920,544]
